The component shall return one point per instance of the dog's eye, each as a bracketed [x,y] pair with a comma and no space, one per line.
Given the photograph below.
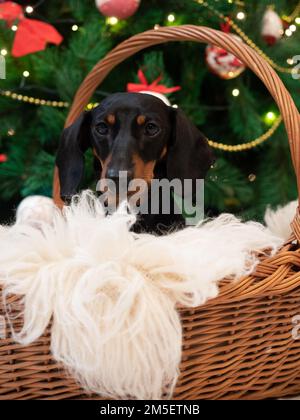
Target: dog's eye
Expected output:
[102,128]
[151,129]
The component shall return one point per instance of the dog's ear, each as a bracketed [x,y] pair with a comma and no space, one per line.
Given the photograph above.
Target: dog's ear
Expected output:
[74,142]
[189,155]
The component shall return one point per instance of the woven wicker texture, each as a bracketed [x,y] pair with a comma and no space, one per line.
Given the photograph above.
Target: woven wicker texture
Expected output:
[238,345]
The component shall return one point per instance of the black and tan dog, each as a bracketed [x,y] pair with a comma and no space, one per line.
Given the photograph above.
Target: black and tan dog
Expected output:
[139,135]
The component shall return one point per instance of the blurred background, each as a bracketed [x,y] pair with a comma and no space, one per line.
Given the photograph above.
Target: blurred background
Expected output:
[44,64]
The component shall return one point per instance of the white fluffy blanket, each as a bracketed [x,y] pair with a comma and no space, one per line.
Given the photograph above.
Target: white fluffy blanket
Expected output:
[279,221]
[112,294]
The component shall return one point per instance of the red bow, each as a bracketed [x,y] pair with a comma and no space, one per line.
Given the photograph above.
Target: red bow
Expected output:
[32,35]
[153,87]
[225,27]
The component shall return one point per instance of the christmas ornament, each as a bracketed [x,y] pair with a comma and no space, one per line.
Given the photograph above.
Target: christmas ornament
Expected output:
[272,27]
[35,209]
[121,9]
[222,63]
[151,89]
[32,35]
[247,40]
[3,157]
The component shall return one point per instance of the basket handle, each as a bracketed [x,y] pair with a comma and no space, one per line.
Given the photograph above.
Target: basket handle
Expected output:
[203,34]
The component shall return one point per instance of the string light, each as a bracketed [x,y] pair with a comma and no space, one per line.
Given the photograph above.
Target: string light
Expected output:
[293,28]
[14,28]
[241,16]
[156,26]
[270,117]
[75,28]
[297,20]
[112,20]
[26,73]
[288,32]
[29,9]
[252,177]
[175,106]
[91,106]
[171,18]
[235,92]
[3,52]
[11,132]
[290,61]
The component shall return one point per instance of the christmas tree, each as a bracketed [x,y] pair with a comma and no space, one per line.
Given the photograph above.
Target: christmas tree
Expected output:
[231,111]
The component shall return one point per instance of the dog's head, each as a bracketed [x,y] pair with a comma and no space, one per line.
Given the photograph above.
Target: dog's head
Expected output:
[136,134]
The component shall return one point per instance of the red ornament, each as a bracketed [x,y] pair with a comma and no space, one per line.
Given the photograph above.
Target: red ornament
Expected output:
[32,35]
[121,9]
[272,27]
[222,63]
[3,158]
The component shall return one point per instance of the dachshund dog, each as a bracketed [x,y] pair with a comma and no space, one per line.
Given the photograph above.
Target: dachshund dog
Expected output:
[136,134]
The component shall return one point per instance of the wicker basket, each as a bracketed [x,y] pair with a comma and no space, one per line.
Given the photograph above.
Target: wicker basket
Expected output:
[238,345]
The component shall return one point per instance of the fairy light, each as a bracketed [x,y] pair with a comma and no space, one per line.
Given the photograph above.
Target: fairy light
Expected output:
[75,28]
[288,32]
[29,9]
[11,132]
[297,20]
[293,28]
[270,117]
[252,177]
[235,92]
[26,73]
[112,20]
[290,61]
[14,28]
[3,52]
[175,106]
[91,105]
[171,18]
[240,16]
[156,26]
